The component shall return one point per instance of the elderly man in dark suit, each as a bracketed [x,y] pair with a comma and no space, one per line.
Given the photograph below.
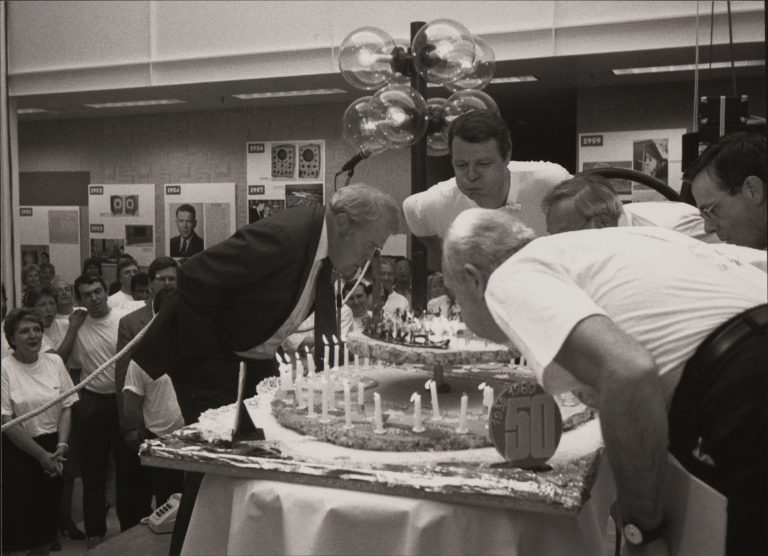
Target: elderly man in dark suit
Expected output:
[240,299]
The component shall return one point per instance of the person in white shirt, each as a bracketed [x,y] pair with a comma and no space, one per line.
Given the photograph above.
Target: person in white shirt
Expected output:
[393,301]
[356,310]
[34,450]
[126,269]
[440,302]
[101,435]
[481,149]
[151,409]
[730,184]
[588,201]
[620,316]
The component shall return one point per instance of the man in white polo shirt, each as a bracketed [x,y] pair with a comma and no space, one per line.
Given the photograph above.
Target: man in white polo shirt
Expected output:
[481,149]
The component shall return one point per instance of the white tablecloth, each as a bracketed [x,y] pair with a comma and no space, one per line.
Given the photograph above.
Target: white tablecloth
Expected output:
[246,516]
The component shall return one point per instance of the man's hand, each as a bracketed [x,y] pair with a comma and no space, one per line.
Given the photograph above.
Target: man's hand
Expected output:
[51,465]
[77,317]
[61,452]
[133,438]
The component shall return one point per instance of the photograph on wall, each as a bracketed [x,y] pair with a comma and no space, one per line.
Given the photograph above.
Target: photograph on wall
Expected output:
[656,152]
[197,216]
[51,234]
[292,172]
[303,195]
[263,209]
[650,156]
[622,187]
[119,215]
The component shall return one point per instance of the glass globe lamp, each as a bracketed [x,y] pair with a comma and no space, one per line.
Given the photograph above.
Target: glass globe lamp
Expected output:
[437,128]
[401,115]
[365,58]
[359,127]
[482,71]
[462,102]
[443,51]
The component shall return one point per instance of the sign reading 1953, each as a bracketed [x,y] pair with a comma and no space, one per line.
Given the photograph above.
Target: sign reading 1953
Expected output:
[173,190]
[96,190]
[591,140]
[525,425]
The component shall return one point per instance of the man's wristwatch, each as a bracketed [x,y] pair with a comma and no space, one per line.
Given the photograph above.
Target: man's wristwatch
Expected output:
[639,537]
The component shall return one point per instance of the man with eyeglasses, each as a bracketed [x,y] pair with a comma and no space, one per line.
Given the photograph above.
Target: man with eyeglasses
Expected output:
[728,182]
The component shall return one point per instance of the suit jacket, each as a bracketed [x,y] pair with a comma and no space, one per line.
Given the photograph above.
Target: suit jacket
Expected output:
[234,295]
[195,246]
[130,325]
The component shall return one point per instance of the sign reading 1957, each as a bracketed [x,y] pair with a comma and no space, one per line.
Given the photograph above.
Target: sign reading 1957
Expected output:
[173,190]
[96,190]
[591,140]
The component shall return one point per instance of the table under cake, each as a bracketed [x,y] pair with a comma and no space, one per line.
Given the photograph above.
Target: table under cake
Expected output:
[292,494]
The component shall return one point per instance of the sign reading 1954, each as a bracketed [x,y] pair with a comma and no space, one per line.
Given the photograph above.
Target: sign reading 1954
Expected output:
[591,140]
[97,228]
[173,190]
[255,147]
[96,190]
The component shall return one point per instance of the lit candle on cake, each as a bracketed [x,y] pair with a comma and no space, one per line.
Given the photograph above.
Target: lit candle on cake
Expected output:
[310,363]
[326,352]
[347,405]
[311,401]
[285,376]
[299,394]
[378,419]
[326,400]
[361,395]
[346,356]
[431,385]
[463,415]
[416,399]
[335,351]
[487,396]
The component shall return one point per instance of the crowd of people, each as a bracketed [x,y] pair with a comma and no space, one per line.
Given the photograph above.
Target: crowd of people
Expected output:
[654,313]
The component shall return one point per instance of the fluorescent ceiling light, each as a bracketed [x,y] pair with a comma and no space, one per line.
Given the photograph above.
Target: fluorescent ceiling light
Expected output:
[518,79]
[137,103]
[32,110]
[687,67]
[277,94]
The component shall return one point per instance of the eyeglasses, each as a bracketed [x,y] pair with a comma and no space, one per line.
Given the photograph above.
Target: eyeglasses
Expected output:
[707,212]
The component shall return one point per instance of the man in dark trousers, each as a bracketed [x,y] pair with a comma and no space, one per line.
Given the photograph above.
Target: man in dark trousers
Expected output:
[240,299]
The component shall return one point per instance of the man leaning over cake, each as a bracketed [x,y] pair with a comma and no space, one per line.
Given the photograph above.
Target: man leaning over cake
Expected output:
[659,331]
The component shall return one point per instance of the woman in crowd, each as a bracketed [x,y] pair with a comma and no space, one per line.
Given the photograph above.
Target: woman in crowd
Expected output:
[34,450]
[47,273]
[30,280]
[65,302]
[356,311]
[92,267]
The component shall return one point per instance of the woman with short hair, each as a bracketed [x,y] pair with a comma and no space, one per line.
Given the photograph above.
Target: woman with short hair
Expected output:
[34,450]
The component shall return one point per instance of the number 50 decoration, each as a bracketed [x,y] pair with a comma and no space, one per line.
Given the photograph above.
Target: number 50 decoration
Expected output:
[525,425]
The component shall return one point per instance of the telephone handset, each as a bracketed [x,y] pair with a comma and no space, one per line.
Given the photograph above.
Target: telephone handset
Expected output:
[164,517]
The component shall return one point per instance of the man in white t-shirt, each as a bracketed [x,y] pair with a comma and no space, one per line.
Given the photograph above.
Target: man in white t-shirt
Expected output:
[615,315]
[123,298]
[481,149]
[152,410]
[94,345]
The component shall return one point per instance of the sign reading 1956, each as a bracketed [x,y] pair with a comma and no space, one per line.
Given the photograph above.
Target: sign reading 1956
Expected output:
[173,190]
[525,425]
[591,140]
[96,190]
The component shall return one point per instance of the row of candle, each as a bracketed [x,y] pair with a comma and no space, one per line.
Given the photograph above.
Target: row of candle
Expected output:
[328,403]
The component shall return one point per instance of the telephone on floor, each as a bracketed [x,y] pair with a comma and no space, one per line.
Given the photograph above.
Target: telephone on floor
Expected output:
[164,517]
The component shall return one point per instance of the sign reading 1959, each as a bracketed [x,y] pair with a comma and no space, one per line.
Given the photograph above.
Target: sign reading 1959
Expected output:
[591,140]
[173,190]
[96,190]
[525,425]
